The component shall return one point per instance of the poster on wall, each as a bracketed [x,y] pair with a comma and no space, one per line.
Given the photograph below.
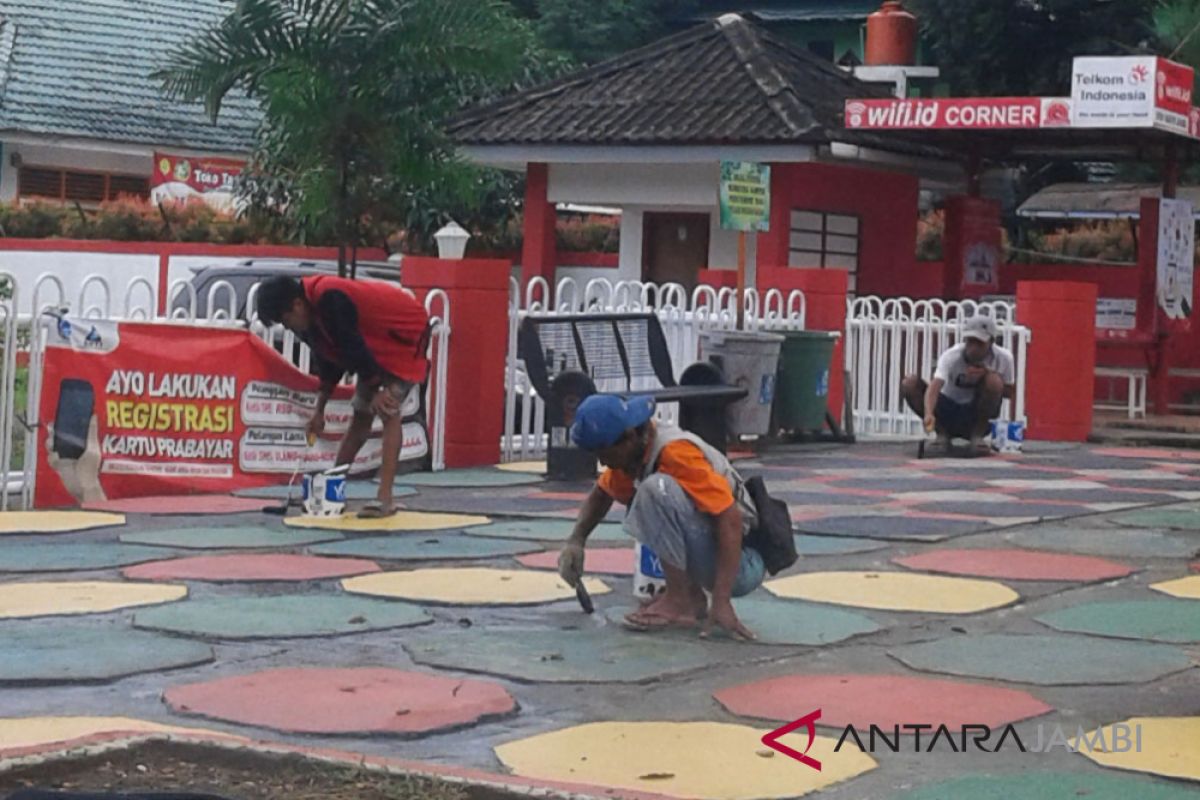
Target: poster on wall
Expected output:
[745,196]
[980,246]
[181,178]
[136,409]
[1116,313]
[1176,257]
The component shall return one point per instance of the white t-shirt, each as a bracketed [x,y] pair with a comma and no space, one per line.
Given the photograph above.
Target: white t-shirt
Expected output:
[952,370]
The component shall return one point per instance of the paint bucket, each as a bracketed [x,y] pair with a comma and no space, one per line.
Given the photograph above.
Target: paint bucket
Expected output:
[324,493]
[648,579]
[1007,437]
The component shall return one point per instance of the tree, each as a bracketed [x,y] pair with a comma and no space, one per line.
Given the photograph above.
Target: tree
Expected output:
[354,94]
[1177,30]
[1025,47]
[590,31]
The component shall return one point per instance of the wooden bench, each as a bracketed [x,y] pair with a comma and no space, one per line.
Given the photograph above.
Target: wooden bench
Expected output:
[566,355]
[1135,396]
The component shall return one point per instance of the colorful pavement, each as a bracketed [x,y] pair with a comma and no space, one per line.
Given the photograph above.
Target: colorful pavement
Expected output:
[1055,590]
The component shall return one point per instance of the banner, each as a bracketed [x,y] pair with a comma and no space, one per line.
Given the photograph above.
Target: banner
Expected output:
[958,113]
[134,409]
[1176,257]
[745,196]
[181,178]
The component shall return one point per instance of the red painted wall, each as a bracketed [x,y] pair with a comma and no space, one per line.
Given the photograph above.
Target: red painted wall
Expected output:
[884,202]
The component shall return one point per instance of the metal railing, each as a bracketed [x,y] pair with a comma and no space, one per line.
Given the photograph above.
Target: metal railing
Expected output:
[888,339]
[138,302]
[684,317]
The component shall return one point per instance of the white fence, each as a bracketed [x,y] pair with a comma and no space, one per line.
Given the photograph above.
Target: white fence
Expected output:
[138,301]
[887,339]
[684,317]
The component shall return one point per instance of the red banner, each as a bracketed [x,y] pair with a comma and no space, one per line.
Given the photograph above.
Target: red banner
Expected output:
[962,113]
[186,177]
[1173,87]
[135,409]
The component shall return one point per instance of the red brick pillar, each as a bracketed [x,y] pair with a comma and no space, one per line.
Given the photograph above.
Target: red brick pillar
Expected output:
[1061,362]
[825,310]
[539,250]
[478,293]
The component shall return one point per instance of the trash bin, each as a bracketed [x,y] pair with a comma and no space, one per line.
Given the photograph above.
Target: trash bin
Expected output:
[803,391]
[750,360]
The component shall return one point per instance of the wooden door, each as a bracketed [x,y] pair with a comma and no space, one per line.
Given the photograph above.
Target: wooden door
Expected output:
[674,247]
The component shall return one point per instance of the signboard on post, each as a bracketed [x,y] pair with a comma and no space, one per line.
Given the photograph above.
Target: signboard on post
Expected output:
[1131,92]
[745,196]
[134,409]
[1176,257]
[182,178]
[958,113]
[745,204]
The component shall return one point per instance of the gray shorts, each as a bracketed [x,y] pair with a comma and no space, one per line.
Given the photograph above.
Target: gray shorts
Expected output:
[363,394]
[665,519]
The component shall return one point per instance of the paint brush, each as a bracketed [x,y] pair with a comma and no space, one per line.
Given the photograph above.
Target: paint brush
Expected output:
[585,599]
[282,509]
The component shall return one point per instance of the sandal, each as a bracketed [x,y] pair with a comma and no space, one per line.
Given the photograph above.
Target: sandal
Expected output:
[642,621]
[376,510]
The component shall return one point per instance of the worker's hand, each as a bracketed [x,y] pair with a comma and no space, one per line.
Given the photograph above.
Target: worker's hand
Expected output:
[385,403]
[723,615]
[930,422]
[570,563]
[315,427]
[976,373]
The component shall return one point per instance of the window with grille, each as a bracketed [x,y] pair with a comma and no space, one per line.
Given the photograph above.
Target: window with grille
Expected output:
[825,241]
[86,188]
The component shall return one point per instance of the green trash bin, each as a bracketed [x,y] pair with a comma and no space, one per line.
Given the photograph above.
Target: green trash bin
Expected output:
[803,384]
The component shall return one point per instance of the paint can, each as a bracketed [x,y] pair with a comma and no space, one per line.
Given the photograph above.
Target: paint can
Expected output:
[324,493]
[1007,437]
[648,579]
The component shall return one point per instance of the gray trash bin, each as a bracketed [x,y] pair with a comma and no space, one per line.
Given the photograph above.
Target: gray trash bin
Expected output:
[750,360]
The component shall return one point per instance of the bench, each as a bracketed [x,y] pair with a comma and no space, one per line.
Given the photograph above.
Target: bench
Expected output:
[1135,403]
[567,355]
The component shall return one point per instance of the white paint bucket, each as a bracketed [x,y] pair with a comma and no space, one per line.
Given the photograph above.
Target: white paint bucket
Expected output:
[648,579]
[324,493]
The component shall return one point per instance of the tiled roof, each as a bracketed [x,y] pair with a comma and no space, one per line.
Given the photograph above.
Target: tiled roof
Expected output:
[81,68]
[791,10]
[721,83]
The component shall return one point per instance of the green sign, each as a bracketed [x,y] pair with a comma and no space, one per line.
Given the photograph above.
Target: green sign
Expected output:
[745,196]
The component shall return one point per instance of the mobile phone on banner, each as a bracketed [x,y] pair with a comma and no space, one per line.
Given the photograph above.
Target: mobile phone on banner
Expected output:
[76,405]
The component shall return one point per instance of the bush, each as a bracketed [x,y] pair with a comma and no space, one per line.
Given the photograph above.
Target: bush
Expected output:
[32,221]
[931,228]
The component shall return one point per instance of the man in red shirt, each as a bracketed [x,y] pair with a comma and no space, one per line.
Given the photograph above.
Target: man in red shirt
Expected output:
[686,503]
[371,329]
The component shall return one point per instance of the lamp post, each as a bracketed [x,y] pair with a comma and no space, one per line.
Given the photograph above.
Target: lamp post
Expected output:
[452,241]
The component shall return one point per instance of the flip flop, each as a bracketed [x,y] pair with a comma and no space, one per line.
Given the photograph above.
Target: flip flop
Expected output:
[376,510]
[641,621]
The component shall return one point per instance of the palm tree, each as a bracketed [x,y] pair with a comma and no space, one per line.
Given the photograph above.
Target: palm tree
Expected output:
[1176,25]
[354,93]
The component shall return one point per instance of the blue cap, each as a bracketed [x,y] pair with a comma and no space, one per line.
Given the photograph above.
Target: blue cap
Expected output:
[602,419]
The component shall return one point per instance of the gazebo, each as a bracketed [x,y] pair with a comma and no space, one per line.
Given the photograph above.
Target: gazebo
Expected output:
[646,132]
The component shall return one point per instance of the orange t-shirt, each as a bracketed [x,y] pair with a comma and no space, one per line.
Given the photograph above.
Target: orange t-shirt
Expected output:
[684,462]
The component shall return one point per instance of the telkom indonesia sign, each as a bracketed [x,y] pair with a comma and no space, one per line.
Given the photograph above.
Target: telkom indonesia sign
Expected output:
[1131,92]
[1106,92]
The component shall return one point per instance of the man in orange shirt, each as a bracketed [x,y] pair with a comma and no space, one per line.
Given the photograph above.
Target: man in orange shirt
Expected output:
[686,503]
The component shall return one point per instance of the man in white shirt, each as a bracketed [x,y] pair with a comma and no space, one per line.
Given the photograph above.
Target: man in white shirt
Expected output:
[972,379]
